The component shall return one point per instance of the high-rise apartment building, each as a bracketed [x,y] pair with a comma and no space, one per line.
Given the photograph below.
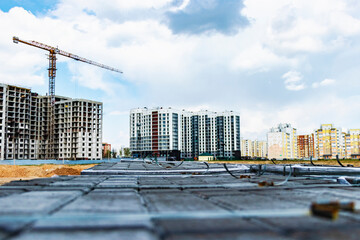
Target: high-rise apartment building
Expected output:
[352,143]
[305,146]
[155,131]
[329,142]
[253,149]
[78,129]
[25,119]
[185,134]
[282,142]
[260,149]
[247,148]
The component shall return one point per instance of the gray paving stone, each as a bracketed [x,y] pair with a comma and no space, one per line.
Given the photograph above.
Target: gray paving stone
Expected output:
[4,192]
[251,201]
[113,202]
[128,234]
[349,232]
[182,226]
[72,183]
[35,202]
[229,236]
[11,227]
[65,220]
[305,223]
[182,201]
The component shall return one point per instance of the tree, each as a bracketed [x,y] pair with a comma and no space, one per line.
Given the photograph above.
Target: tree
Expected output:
[120,152]
[127,152]
[108,154]
[113,153]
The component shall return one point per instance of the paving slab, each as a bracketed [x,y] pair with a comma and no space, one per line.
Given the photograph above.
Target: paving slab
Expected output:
[35,202]
[122,234]
[137,200]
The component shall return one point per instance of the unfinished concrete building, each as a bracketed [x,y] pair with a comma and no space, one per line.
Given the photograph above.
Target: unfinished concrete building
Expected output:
[25,121]
[78,129]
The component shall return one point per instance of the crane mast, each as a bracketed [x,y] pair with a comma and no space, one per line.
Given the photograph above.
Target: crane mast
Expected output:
[52,75]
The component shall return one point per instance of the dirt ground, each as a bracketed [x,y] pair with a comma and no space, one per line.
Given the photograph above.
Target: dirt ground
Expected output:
[10,172]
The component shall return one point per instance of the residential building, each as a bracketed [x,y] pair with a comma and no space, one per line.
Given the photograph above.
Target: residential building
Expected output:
[352,143]
[170,132]
[253,149]
[106,147]
[329,142]
[305,146]
[247,148]
[28,132]
[260,149]
[155,132]
[282,142]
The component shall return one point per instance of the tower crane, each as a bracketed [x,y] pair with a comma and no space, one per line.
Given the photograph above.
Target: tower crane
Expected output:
[52,74]
[52,62]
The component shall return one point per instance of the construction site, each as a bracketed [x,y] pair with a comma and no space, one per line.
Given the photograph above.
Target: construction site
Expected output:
[150,199]
[33,126]
[26,121]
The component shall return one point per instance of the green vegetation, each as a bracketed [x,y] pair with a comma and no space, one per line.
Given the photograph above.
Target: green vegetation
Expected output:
[127,152]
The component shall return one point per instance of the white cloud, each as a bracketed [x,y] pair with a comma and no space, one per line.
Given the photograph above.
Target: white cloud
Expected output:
[323,83]
[182,6]
[208,71]
[259,58]
[293,81]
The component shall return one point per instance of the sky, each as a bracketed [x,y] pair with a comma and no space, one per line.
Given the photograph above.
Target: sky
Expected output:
[273,61]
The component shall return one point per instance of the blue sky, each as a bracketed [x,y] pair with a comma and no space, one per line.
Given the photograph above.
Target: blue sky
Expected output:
[271,61]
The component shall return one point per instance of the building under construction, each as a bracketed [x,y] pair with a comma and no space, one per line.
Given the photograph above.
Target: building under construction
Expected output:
[28,132]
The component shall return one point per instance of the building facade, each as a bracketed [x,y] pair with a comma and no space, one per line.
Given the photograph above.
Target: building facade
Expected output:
[305,146]
[329,142]
[106,149]
[170,132]
[282,142]
[26,125]
[78,129]
[253,149]
[352,143]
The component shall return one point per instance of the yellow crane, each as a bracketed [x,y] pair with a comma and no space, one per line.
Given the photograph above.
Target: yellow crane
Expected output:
[52,74]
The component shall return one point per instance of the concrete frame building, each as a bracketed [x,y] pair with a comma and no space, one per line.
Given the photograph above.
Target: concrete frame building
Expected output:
[184,134]
[25,121]
[78,129]
[282,142]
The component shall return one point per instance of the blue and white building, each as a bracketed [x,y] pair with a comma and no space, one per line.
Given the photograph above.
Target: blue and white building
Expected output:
[170,132]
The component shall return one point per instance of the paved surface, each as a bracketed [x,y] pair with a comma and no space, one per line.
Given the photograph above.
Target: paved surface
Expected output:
[128,200]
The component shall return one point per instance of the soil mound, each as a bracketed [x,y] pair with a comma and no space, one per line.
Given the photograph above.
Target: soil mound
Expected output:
[65,171]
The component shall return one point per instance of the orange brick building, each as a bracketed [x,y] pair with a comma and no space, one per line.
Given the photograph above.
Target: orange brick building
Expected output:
[305,146]
[105,148]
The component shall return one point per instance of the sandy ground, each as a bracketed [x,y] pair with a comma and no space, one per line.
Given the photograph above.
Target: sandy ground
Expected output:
[10,172]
